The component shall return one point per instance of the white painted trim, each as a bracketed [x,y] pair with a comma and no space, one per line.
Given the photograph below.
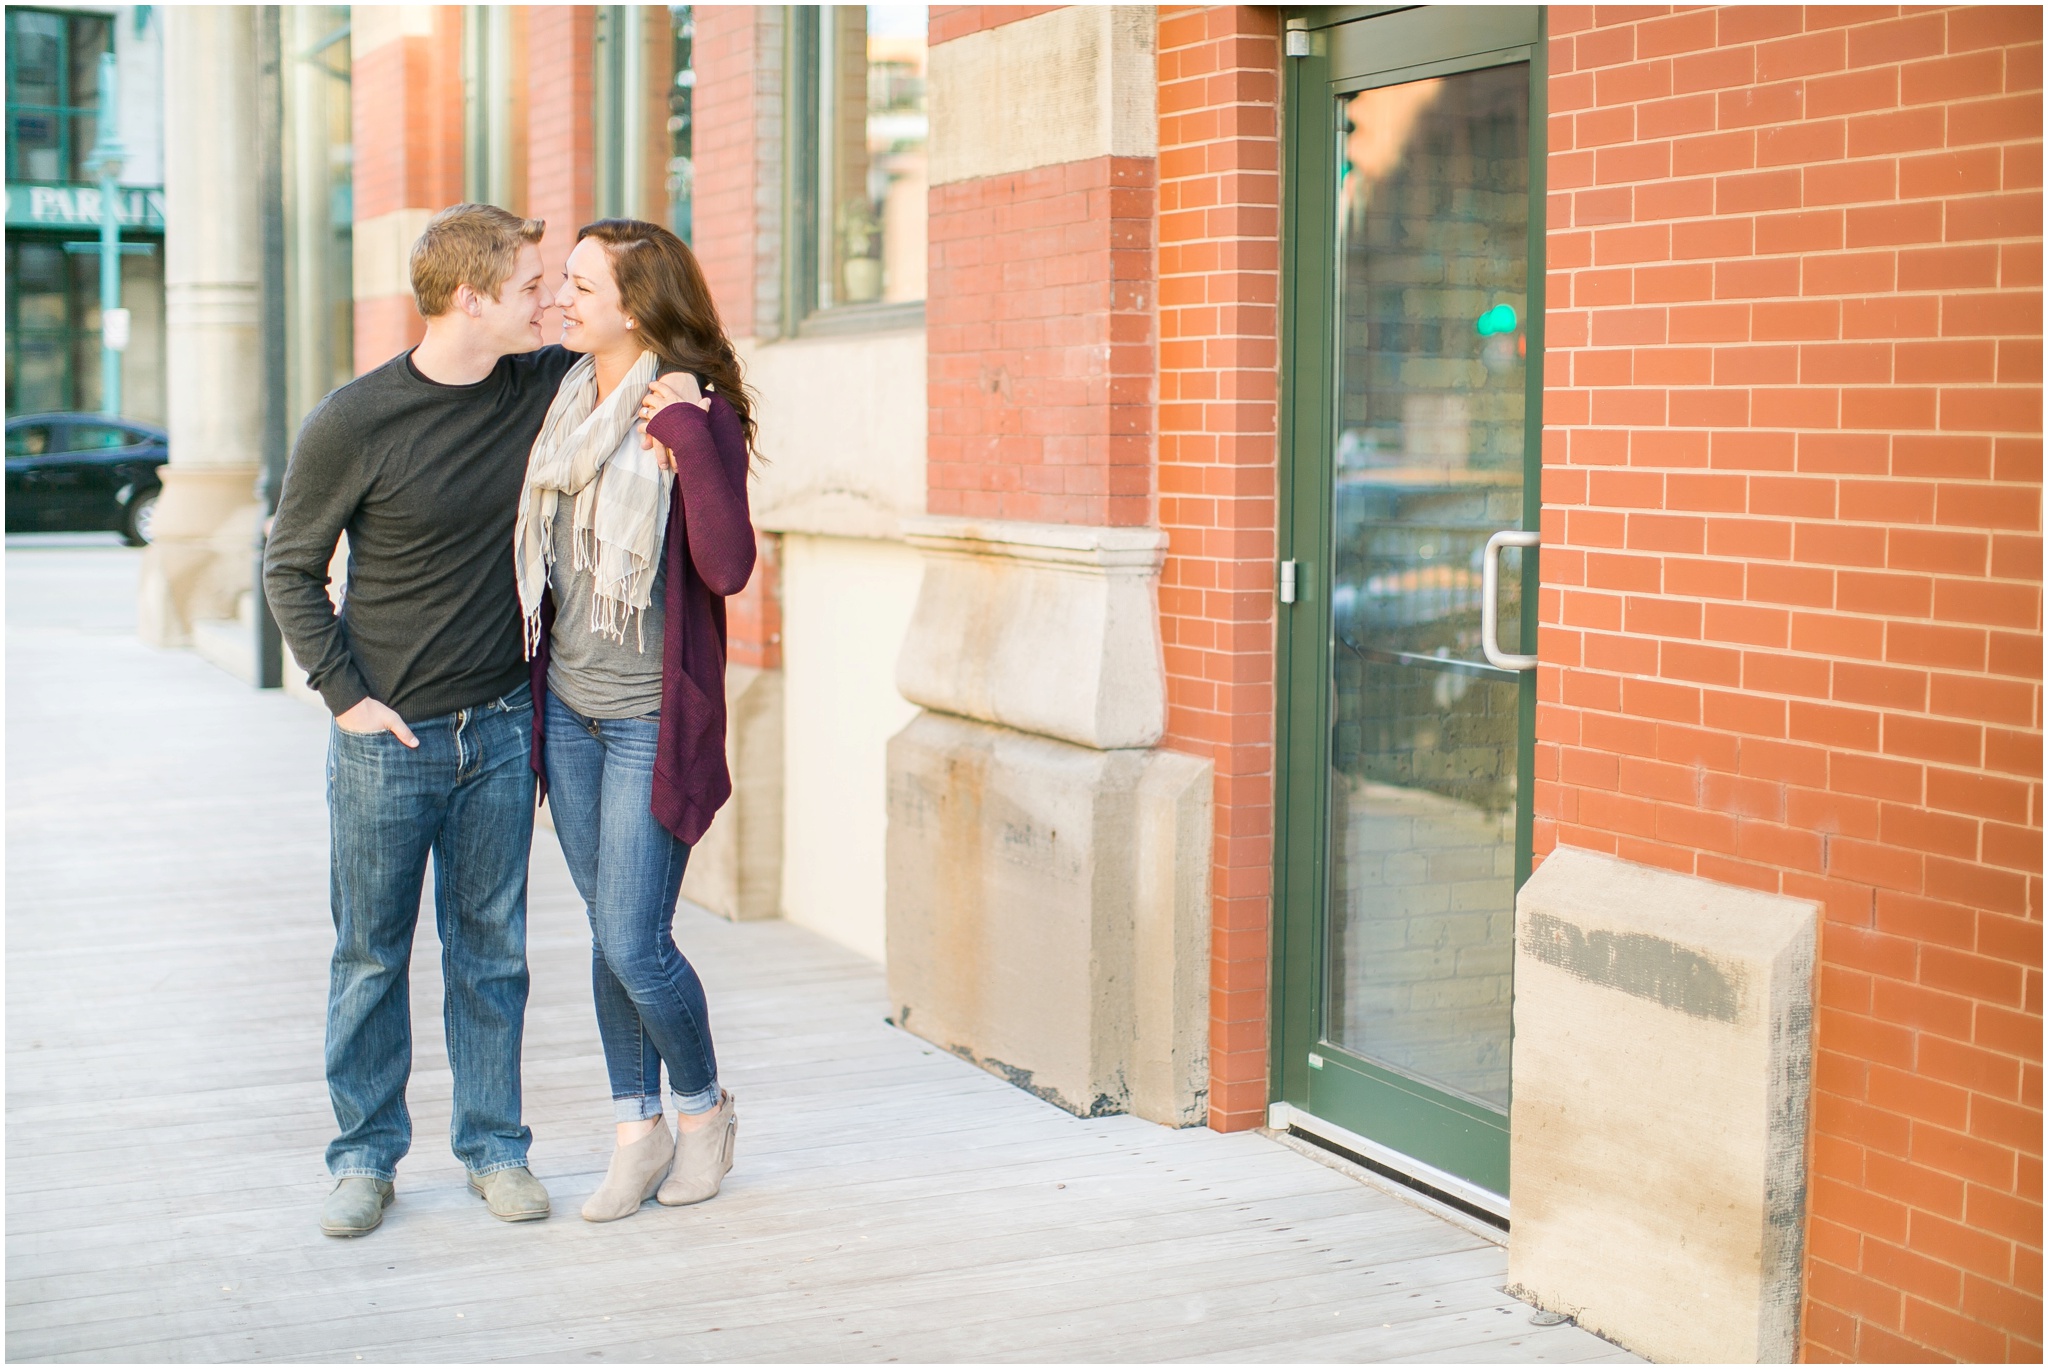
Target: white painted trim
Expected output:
[1281,1116]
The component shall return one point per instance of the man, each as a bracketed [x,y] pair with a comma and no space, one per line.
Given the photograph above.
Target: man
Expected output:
[420,461]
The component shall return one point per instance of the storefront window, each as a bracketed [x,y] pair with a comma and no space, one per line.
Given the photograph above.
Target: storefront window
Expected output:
[38,328]
[319,206]
[642,135]
[53,93]
[494,105]
[862,183]
[53,323]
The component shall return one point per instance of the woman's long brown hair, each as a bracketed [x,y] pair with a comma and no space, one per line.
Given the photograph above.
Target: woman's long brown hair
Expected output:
[661,288]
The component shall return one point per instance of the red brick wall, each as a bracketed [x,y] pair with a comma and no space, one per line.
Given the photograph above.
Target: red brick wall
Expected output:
[408,121]
[722,212]
[957,21]
[1041,348]
[1219,278]
[384,327]
[406,112]
[561,161]
[1792,559]
[733,92]
[753,617]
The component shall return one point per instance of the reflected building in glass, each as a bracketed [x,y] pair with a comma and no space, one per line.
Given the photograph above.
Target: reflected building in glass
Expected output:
[53,215]
[1432,285]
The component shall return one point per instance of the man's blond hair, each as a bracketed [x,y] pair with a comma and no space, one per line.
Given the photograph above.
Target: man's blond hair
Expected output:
[467,244]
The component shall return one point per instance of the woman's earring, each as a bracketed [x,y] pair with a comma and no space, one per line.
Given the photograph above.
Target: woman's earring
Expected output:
[630,323]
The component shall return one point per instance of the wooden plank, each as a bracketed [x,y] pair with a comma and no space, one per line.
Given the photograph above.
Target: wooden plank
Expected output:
[1088,1267]
[166,1115]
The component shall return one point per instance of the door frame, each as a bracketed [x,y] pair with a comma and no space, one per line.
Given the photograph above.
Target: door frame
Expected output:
[1406,44]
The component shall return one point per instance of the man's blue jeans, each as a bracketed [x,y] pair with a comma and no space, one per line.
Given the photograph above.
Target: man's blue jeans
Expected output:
[466,796]
[629,869]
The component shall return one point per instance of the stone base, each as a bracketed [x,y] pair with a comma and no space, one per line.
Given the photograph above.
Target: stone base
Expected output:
[736,869]
[230,643]
[298,687]
[1663,1056]
[1045,627]
[203,557]
[1049,913]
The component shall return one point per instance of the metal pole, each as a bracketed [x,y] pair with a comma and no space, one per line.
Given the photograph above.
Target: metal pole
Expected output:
[107,153]
[276,430]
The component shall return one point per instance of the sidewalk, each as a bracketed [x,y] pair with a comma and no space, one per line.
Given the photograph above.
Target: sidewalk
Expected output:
[167,939]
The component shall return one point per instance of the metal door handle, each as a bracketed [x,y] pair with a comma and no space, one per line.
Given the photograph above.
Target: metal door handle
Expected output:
[1489,597]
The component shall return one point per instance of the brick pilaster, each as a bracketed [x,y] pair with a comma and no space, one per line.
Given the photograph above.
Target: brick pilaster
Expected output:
[1041,361]
[737,239]
[1219,276]
[561,167]
[957,21]
[407,115]
[737,154]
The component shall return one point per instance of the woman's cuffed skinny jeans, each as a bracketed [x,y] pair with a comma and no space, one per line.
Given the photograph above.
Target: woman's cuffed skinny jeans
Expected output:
[628,868]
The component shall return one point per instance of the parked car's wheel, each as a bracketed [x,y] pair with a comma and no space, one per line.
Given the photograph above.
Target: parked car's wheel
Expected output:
[141,515]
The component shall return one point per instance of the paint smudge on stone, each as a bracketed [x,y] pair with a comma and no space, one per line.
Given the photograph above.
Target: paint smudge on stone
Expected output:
[1636,963]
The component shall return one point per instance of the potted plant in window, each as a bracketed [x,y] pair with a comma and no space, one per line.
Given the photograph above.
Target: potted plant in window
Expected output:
[860,251]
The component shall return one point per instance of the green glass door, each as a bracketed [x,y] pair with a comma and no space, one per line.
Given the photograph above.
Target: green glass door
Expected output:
[1413,381]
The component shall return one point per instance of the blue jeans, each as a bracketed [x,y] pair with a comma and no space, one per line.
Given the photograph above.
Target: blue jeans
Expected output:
[466,796]
[628,867]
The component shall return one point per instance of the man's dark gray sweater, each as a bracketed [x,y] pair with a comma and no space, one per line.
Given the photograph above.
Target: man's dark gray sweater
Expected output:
[425,480]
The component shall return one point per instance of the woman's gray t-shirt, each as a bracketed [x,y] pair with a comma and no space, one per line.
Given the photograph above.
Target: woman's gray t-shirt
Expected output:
[587,670]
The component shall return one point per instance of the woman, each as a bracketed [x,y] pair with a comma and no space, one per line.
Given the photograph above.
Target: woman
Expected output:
[625,548]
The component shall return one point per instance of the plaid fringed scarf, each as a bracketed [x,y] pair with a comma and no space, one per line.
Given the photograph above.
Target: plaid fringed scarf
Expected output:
[592,453]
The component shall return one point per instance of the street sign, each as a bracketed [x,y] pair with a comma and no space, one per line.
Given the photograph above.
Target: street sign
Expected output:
[78,206]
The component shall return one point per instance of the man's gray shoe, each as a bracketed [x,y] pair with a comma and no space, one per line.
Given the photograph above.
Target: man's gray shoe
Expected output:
[356,1206]
[513,1195]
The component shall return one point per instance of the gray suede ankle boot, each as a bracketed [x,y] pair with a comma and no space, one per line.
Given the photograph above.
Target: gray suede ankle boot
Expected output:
[635,1172]
[703,1157]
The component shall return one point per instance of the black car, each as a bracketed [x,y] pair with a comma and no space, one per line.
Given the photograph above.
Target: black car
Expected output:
[83,473]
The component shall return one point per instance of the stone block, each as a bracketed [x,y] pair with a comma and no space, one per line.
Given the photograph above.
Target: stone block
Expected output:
[843,426]
[1049,913]
[1042,627]
[1169,1055]
[735,870]
[230,643]
[1662,1065]
[203,557]
[1070,85]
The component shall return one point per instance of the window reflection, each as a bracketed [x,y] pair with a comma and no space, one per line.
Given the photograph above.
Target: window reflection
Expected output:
[53,92]
[1433,280]
[682,92]
[872,175]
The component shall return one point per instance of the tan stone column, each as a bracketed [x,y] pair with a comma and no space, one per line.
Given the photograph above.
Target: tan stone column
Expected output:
[200,563]
[1048,861]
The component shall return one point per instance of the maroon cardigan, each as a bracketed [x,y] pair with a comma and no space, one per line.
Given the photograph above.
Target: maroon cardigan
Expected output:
[710,551]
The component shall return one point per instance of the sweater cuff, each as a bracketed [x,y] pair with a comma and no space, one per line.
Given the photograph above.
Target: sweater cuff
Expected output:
[667,427]
[343,691]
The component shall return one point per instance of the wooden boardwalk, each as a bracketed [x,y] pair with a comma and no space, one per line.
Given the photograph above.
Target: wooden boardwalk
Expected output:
[167,937]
